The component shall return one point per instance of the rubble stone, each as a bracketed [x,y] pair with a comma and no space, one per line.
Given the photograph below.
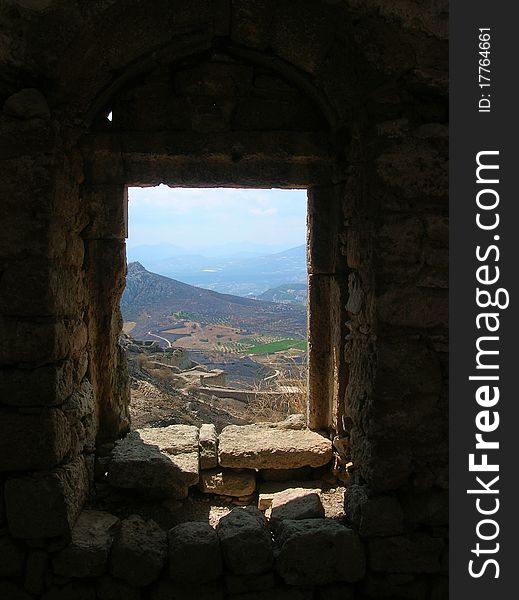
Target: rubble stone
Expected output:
[87,553]
[226,482]
[246,542]
[296,504]
[138,552]
[194,553]
[319,551]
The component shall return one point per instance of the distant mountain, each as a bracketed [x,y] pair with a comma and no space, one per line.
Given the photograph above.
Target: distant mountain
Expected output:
[150,300]
[293,293]
[239,274]
[152,252]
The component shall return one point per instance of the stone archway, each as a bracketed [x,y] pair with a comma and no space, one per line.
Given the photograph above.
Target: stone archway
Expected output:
[370,143]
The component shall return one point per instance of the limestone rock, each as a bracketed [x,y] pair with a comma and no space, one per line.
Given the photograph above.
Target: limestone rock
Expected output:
[161,461]
[11,558]
[208,447]
[246,542]
[46,504]
[87,554]
[194,553]
[27,104]
[263,447]
[319,551]
[226,482]
[296,504]
[139,551]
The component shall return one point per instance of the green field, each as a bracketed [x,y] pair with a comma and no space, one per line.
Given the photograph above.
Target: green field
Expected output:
[278,346]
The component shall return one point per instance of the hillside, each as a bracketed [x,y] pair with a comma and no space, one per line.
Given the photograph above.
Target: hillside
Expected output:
[295,293]
[152,301]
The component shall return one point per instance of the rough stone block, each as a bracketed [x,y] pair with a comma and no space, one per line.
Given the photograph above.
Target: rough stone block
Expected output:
[44,386]
[33,441]
[344,591]
[226,482]
[391,585]
[319,551]
[28,103]
[416,553]
[13,591]
[46,504]
[409,306]
[245,541]
[78,590]
[11,558]
[241,584]
[166,589]
[214,79]
[251,23]
[138,552]
[87,553]
[303,37]
[373,516]
[194,553]
[277,593]
[36,571]
[56,290]
[36,341]
[107,213]
[208,442]
[264,447]
[161,461]
[80,411]
[296,504]
[110,588]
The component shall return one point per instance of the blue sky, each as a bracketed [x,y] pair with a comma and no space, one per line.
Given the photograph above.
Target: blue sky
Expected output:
[200,218]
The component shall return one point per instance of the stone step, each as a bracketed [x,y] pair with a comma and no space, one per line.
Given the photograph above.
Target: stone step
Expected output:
[269,447]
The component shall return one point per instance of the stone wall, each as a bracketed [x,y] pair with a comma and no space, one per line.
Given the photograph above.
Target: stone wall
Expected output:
[345,98]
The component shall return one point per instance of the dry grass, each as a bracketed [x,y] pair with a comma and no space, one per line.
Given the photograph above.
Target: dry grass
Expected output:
[283,396]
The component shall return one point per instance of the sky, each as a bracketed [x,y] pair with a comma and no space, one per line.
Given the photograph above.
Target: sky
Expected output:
[200,218]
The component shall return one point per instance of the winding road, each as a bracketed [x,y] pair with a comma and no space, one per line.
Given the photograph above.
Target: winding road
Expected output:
[161,338]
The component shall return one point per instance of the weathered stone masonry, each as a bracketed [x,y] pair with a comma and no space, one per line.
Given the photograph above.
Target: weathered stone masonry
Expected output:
[344,97]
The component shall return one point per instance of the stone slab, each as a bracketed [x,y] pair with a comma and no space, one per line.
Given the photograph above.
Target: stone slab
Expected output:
[161,461]
[264,447]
